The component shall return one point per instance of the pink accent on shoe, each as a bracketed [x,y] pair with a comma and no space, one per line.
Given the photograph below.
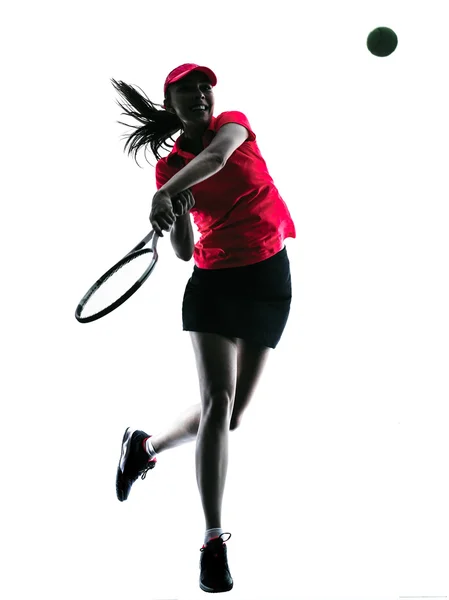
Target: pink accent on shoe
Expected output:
[215,538]
[144,443]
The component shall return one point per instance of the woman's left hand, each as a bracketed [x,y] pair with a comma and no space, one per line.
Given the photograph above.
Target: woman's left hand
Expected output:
[183,202]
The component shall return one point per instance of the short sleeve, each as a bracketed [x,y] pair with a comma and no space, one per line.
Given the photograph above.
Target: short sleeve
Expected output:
[234,116]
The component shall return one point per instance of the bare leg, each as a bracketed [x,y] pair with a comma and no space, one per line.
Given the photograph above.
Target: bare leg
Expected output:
[183,430]
[211,433]
[212,460]
[209,422]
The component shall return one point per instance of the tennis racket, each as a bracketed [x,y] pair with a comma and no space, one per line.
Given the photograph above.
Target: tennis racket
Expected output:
[120,282]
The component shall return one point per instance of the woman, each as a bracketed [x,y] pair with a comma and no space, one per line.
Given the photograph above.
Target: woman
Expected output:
[237,302]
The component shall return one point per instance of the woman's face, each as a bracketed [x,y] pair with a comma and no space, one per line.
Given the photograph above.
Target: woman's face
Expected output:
[190,91]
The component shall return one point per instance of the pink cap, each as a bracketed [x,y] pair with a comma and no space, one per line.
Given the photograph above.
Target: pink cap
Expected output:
[184,70]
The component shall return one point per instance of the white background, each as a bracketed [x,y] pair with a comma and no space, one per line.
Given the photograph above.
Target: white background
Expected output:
[337,478]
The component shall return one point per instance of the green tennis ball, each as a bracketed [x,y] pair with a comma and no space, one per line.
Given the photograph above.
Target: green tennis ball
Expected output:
[382,41]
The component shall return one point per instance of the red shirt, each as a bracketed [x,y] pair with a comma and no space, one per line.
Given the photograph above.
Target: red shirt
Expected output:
[239,212]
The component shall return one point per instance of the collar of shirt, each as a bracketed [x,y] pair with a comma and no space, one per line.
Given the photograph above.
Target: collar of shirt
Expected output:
[206,138]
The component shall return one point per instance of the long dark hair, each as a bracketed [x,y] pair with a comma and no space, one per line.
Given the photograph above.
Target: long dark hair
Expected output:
[157,125]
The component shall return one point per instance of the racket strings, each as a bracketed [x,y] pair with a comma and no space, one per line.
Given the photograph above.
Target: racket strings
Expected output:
[119,281]
[123,264]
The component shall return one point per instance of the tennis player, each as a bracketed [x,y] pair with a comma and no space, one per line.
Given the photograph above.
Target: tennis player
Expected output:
[237,301]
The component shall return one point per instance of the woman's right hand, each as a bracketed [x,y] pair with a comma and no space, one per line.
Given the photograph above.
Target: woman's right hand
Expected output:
[162,216]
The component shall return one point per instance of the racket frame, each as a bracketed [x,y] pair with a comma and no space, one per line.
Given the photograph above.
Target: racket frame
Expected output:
[139,250]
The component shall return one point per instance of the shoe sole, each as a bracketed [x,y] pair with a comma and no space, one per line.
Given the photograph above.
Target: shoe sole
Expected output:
[208,589]
[126,447]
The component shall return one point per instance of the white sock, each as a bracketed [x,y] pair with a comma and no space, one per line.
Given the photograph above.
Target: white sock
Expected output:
[149,448]
[212,533]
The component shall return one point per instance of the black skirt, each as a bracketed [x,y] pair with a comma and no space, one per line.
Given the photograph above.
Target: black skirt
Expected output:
[251,302]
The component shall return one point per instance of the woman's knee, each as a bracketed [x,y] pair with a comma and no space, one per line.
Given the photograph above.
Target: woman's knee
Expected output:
[218,405]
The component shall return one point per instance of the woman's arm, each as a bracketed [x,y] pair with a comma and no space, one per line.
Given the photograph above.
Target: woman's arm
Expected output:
[181,237]
[200,168]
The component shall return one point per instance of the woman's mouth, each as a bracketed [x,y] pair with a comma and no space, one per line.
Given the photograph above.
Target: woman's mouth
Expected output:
[199,108]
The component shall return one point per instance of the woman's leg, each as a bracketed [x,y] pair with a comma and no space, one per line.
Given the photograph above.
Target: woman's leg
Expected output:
[183,430]
[251,360]
[216,359]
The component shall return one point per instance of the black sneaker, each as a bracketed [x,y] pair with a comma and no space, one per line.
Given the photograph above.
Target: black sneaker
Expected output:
[215,575]
[134,462]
